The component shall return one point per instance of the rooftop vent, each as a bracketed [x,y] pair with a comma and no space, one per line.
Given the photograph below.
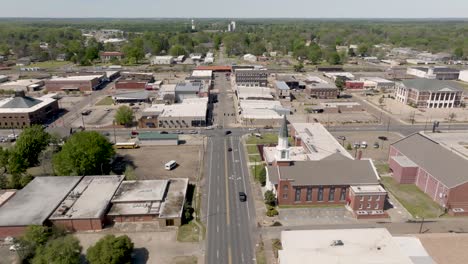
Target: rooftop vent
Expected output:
[336,243]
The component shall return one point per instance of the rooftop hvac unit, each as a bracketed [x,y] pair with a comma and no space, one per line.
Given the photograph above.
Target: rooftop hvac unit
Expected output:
[335,243]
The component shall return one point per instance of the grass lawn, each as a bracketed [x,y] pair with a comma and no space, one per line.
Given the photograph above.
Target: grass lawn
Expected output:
[185,260]
[414,200]
[188,233]
[252,149]
[260,254]
[255,158]
[106,101]
[382,168]
[256,172]
[50,64]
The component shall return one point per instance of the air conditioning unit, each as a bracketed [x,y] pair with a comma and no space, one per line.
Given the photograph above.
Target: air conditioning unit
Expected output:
[458,210]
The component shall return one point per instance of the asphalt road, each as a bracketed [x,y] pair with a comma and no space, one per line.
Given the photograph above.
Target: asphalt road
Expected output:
[230,222]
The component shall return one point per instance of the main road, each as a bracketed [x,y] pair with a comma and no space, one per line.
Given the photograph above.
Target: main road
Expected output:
[230,222]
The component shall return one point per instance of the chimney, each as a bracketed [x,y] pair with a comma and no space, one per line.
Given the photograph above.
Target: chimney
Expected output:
[20,93]
[359,155]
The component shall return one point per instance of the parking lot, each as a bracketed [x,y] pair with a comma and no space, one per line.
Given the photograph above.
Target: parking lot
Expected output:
[316,216]
[378,154]
[149,161]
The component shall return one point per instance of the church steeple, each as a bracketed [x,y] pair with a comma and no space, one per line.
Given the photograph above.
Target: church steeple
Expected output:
[282,149]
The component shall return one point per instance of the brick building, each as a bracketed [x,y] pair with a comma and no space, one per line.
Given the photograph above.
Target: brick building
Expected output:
[426,93]
[22,111]
[328,180]
[135,81]
[322,90]
[151,200]
[33,204]
[85,207]
[87,83]
[250,77]
[354,85]
[434,168]
[107,56]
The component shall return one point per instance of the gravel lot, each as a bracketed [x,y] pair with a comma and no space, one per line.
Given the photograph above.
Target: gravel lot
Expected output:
[149,161]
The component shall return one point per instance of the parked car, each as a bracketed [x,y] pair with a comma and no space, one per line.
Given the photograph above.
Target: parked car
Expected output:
[376,145]
[364,144]
[227,132]
[87,112]
[163,132]
[229,149]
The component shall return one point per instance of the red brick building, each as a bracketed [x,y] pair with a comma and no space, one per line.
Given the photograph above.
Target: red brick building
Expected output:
[322,90]
[438,171]
[354,85]
[86,83]
[107,56]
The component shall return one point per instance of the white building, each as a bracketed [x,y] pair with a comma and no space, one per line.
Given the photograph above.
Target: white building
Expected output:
[359,246]
[438,73]
[245,92]
[27,85]
[250,58]
[377,83]
[162,60]
[335,75]
[463,76]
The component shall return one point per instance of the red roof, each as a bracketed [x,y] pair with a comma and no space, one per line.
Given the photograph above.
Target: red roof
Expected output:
[214,68]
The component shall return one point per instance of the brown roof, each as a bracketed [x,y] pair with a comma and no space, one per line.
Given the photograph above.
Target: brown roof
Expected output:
[110,53]
[214,68]
[326,172]
[444,165]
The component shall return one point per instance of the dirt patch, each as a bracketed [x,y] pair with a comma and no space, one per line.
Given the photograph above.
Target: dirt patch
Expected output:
[149,161]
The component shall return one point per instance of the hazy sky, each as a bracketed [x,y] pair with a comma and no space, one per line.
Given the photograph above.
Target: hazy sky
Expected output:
[236,8]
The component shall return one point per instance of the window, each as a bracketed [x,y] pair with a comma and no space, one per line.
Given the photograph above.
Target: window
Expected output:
[360,206]
[370,198]
[361,198]
[283,154]
[285,187]
[343,194]
[169,222]
[309,194]
[285,196]
[378,198]
[376,206]
[320,194]
[297,198]
[331,194]
[368,206]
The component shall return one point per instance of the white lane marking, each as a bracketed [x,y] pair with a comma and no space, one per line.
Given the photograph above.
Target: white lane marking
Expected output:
[242,257]
[217,209]
[217,228]
[243,178]
[209,184]
[217,254]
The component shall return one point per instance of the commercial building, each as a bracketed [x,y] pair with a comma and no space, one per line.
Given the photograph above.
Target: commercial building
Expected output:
[195,89]
[261,112]
[322,90]
[86,83]
[162,60]
[132,97]
[363,246]
[377,83]
[426,93]
[33,204]
[3,78]
[463,76]
[336,75]
[354,85]
[291,81]
[27,85]
[156,138]
[22,111]
[438,73]
[191,112]
[135,81]
[437,169]
[254,93]
[107,56]
[282,90]
[251,77]
[151,200]
[85,206]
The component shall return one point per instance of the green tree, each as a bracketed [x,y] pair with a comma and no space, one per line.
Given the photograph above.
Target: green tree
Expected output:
[111,250]
[458,53]
[124,115]
[299,67]
[84,153]
[62,250]
[363,49]
[340,83]
[177,50]
[270,198]
[262,176]
[334,58]
[31,142]
[37,235]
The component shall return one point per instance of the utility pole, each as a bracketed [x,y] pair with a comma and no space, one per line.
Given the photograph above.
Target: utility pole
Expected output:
[421,226]
[82,121]
[388,124]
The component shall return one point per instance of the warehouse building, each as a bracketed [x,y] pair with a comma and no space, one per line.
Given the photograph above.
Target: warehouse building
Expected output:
[27,85]
[85,83]
[254,93]
[162,60]
[22,111]
[282,90]
[186,90]
[85,206]
[322,90]
[191,112]
[150,200]
[437,73]
[132,97]
[437,169]
[33,204]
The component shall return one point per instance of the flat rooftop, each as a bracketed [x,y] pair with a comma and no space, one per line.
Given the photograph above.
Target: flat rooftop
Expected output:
[363,246]
[175,199]
[89,199]
[456,141]
[76,78]
[368,189]
[202,73]
[195,107]
[376,79]
[244,92]
[24,82]
[141,191]
[35,203]
[255,113]
[318,141]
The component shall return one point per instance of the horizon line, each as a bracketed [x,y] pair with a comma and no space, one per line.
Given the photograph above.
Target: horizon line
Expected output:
[294,18]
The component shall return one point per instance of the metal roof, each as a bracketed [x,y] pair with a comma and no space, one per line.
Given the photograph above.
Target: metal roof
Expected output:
[21,102]
[281,85]
[326,172]
[444,165]
[432,85]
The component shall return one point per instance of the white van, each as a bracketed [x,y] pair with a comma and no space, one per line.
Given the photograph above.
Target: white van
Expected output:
[170,165]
